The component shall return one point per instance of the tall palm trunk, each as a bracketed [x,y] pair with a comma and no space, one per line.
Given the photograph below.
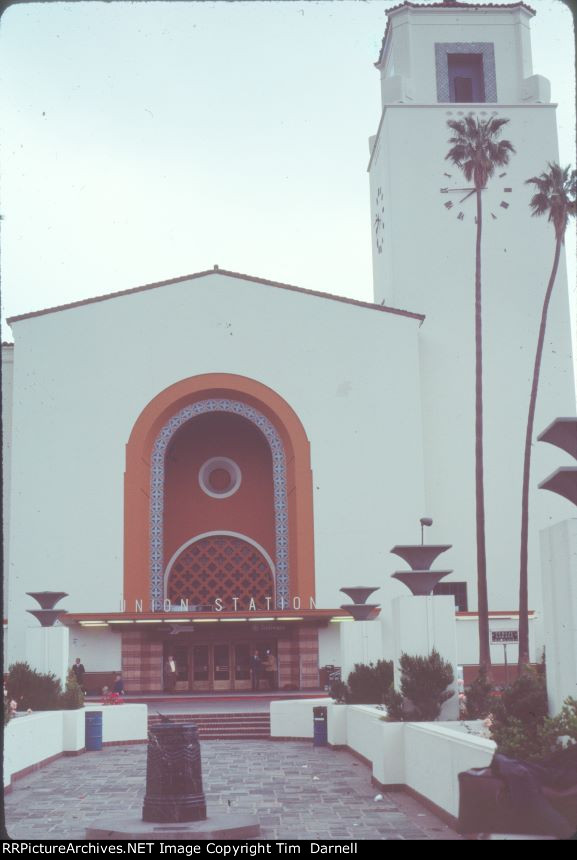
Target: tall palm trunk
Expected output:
[482,597]
[523,577]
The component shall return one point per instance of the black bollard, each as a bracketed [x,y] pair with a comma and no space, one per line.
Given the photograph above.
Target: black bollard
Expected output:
[174,775]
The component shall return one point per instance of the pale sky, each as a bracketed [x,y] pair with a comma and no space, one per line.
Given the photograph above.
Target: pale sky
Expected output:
[144,141]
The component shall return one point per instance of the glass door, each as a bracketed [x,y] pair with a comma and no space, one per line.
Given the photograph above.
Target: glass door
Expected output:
[242,679]
[200,667]
[180,654]
[221,673]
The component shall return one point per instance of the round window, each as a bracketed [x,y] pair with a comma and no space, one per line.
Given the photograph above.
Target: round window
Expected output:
[219,477]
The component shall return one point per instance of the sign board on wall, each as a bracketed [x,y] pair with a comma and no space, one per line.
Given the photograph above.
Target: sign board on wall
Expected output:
[504,636]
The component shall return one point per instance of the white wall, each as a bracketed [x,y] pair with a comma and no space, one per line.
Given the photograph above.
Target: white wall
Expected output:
[361,414]
[99,650]
[7,394]
[329,644]
[559,558]
[362,642]
[434,757]
[438,280]
[47,651]
[468,640]
[32,738]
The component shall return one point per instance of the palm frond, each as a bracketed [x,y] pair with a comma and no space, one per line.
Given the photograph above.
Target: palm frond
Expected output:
[555,196]
[476,148]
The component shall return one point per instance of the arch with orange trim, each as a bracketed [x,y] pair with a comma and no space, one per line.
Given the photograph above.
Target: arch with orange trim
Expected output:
[143,455]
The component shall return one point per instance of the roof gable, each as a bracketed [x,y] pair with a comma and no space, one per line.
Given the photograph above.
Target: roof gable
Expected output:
[215,271]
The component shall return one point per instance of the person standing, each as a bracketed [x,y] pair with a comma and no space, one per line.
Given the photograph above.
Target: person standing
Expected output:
[79,672]
[118,686]
[170,674]
[270,666]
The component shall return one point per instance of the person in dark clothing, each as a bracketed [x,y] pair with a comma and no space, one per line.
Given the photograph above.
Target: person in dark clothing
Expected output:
[118,686]
[170,674]
[79,672]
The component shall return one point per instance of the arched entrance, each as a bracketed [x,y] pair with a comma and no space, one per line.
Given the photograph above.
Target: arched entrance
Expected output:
[218,512]
[147,450]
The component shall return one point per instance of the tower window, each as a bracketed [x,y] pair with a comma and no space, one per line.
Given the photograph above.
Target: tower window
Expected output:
[465,72]
[466,82]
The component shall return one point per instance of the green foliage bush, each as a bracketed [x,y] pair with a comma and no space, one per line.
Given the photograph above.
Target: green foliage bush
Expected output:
[478,697]
[33,690]
[521,727]
[338,690]
[73,697]
[369,685]
[524,700]
[424,681]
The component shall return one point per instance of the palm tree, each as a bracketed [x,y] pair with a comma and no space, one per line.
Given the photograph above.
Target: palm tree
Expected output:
[555,197]
[477,151]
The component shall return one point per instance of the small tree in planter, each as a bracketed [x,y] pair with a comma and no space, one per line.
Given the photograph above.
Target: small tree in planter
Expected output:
[73,697]
[479,701]
[424,681]
[369,685]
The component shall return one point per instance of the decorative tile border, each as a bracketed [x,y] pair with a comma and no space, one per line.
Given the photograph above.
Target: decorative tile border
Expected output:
[157,491]
[442,51]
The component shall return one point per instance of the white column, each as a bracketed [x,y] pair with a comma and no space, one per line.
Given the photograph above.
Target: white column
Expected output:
[361,642]
[559,573]
[421,624]
[48,650]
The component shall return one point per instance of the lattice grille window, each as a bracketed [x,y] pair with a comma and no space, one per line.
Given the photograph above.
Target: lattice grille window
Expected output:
[220,566]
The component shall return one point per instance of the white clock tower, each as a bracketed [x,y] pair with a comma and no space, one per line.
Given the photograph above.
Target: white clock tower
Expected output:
[441,63]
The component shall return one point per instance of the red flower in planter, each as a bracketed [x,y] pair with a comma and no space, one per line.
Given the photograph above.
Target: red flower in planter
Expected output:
[112,699]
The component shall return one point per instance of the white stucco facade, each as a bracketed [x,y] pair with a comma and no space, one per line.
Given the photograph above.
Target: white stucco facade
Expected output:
[384,392]
[425,258]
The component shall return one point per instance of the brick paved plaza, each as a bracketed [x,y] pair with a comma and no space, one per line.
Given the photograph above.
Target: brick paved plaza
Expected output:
[297,791]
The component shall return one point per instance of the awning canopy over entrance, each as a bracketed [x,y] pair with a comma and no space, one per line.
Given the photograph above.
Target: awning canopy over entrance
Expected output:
[319,617]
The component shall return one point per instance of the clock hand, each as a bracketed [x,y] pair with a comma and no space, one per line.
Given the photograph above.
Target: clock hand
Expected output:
[468,195]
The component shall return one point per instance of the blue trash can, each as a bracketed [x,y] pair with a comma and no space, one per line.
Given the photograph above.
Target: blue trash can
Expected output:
[93,730]
[320,733]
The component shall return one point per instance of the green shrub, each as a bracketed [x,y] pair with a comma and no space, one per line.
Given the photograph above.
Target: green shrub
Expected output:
[567,719]
[394,703]
[424,681]
[478,697]
[524,700]
[73,697]
[369,685]
[338,690]
[520,725]
[531,742]
[33,690]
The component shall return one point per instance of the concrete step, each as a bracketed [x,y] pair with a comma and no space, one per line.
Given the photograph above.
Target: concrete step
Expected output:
[222,726]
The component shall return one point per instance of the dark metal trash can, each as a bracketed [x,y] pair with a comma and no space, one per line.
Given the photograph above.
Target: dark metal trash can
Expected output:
[93,730]
[320,725]
[174,790]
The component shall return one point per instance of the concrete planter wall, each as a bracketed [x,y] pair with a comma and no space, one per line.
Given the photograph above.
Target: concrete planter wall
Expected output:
[121,723]
[423,757]
[35,739]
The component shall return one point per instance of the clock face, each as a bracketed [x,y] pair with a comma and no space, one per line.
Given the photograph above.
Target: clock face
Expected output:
[461,201]
[379,222]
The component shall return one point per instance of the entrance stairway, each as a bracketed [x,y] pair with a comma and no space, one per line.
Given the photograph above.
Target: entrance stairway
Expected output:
[227,726]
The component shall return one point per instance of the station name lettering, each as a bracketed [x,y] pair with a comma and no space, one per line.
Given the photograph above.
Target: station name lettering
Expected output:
[235,604]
